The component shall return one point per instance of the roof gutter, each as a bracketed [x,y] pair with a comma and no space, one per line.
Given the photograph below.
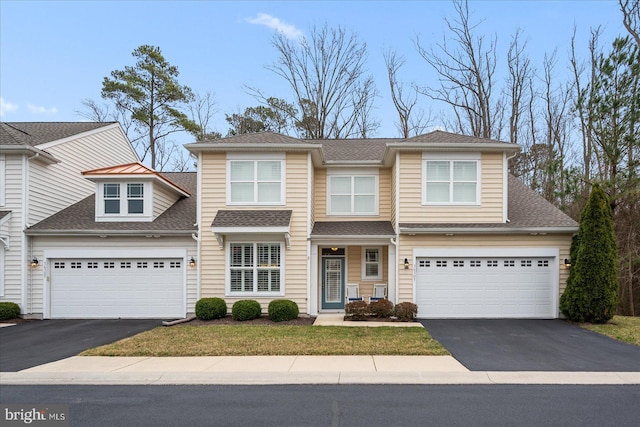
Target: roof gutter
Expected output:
[41,155]
[228,146]
[492,230]
[109,233]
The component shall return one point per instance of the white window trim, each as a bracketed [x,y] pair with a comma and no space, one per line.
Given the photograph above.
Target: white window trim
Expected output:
[257,157]
[364,263]
[353,173]
[3,180]
[146,215]
[451,158]
[2,264]
[255,293]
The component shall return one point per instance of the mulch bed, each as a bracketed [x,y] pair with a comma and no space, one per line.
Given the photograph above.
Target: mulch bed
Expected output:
[262,320]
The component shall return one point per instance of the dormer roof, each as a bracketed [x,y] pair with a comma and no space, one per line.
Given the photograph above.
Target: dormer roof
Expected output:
[133,170]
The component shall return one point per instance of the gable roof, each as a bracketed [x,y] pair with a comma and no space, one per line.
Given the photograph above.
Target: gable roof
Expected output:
[527,212]
[36,133]
[79,219]
[136,169]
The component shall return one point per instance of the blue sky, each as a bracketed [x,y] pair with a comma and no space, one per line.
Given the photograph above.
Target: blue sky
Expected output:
[54,54]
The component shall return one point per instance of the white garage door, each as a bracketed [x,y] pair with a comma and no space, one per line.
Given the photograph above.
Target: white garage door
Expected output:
[485,287]
[112,288]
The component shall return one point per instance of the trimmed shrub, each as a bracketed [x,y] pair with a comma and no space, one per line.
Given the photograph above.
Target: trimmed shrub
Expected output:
[246,309]
[211,308]
[382,308]
[405,311]
[282,310]
[9,310]
[591,294]
[356,310]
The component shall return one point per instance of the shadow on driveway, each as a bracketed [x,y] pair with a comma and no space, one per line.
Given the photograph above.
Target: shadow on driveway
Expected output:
[33,343]
[531,345]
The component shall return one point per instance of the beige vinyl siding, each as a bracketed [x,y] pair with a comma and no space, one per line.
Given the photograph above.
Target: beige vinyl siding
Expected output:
[54,187]
[354,269]
[384,199]
[411,185]
[408,243]
[163,199]
[13,264]
[295,259]
[41,244]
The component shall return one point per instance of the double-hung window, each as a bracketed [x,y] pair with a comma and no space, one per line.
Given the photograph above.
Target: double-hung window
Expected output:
[372,264]
[135,198]
[448,182]
[111,199]
[255,268]
[352,195]
[255,182]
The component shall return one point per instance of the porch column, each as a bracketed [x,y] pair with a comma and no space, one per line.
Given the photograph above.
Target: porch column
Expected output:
[392,274]
[313,280]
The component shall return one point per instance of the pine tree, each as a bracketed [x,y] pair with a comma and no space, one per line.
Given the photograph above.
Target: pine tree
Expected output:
[591,294]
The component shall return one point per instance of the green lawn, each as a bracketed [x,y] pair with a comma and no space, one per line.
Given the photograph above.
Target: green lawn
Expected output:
[251,340]
[623,328]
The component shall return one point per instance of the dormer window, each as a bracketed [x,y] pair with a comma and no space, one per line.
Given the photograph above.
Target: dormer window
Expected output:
[112,199]
[124,201]
[135,198]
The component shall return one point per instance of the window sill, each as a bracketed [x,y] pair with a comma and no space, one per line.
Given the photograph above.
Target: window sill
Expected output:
[253,294]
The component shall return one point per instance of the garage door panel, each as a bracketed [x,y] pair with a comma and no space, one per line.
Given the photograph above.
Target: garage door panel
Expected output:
[131,288]
[484,287]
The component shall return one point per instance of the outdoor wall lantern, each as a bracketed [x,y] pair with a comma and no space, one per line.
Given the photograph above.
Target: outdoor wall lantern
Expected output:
[34,262]
[567,262]
[334,249]
[192,262]
[406,263]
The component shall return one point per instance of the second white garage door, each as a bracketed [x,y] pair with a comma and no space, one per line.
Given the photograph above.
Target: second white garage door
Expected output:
[481,287]
[113,288]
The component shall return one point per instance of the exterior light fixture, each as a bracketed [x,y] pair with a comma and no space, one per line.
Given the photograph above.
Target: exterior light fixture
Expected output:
[34,262]
[406,263]
[334,249]
[192,262]
[567,262]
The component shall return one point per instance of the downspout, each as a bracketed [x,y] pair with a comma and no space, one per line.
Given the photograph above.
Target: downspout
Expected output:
[26,279]
[199,225]
[505,187]
[397,226]
[394,242]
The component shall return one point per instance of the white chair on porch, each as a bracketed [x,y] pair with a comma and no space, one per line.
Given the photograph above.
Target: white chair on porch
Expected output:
[379,292]
[352,293]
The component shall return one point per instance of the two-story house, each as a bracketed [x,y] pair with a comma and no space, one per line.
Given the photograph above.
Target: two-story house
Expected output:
[437,218]
[88,231]
[40,166]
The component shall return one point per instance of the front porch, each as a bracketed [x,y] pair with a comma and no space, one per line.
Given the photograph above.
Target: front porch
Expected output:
[341,258]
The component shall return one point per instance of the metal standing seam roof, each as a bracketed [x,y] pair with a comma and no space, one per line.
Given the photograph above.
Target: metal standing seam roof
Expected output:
[252,218]
[135,168]
[36,133]
[79,218]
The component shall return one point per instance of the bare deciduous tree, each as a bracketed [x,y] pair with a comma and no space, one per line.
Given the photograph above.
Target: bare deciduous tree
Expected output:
[201,110]
[466,72]
[631,17]
[326,71]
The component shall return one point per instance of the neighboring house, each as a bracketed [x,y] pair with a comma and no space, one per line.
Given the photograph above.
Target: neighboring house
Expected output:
[128,250]
[40,165]
[437,218]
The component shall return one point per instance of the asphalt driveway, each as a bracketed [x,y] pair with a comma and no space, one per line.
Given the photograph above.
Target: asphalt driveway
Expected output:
[531,345]
[33,343]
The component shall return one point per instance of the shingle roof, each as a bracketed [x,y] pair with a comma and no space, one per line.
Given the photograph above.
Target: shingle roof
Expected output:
[80,217]
[355,149]
[442,136]
[252,218]
[4,213]
[36,133]
[257,138]
[526,210]
[353,228]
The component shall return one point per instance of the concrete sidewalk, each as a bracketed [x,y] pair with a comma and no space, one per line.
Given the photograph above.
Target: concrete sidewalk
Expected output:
[227,370]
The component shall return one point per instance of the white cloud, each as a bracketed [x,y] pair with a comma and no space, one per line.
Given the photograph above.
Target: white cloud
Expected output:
[6,107]
[289,31]
[38,109]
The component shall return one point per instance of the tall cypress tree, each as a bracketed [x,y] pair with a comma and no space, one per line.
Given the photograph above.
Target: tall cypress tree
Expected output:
[591,294]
